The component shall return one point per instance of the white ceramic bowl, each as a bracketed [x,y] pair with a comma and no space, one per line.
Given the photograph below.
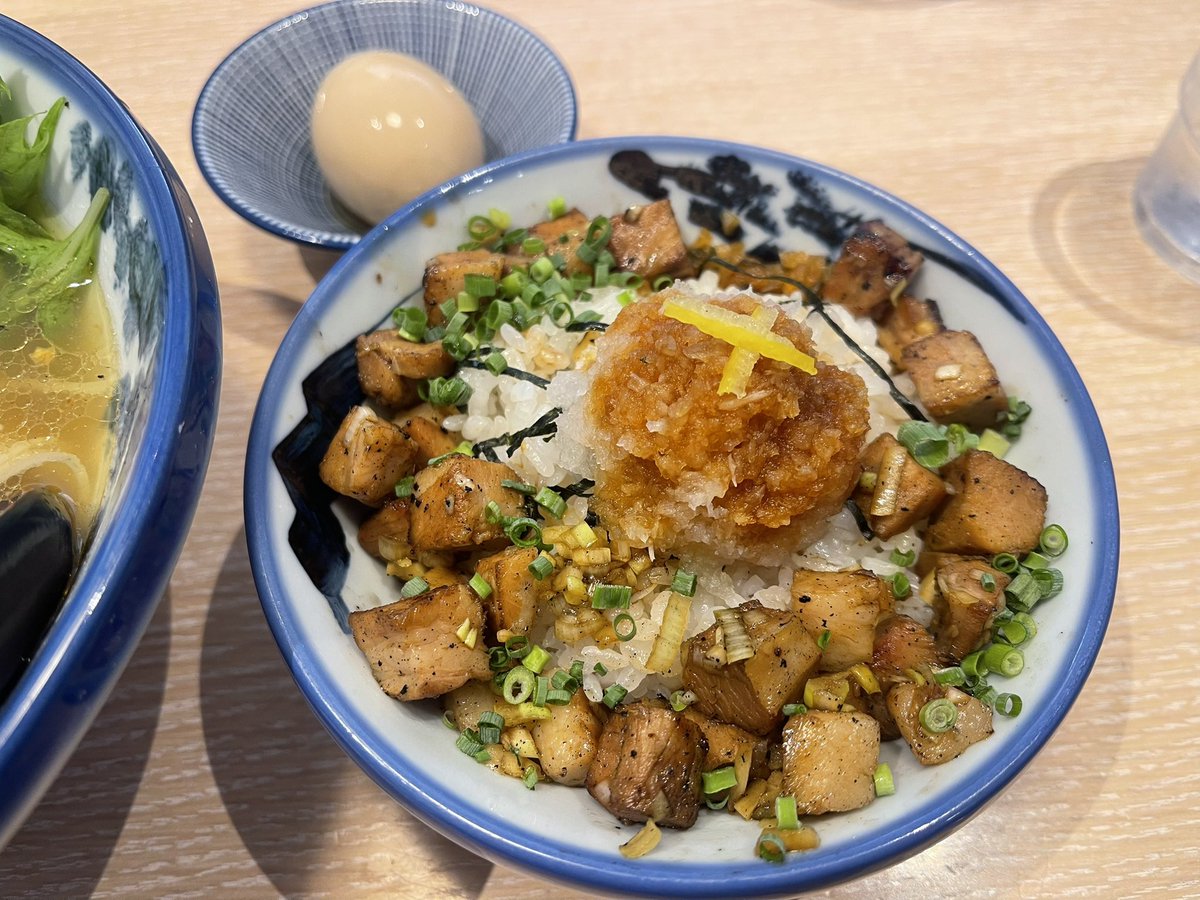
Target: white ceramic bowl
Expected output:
[558,832]
[157,274]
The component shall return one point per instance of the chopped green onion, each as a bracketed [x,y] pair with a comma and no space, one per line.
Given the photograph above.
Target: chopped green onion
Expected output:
[611,596]
[613,695]
[985,693]
[517,645]
[524,532]
[457,324]
[480,228]
[624,627]
[490,724]
[973,665]
[561,313]
[499,218]
[1048,581]
[961,440]
[480,586]
[464,448]
[905,559]
[600,669]
[404,487]
[662,282]
[994,443]
[794,709]
[492,513]
[530,779]
[884,785]
[1023,591]
[1012,631]
[938,716]
[953,676]
[468,742]
[535,660]
[987,581]
[550,501]
[513,283]
[1004,659]
[681,700]
[1018,410]
[542,566]
[541,690]
[718,780]
[1028,623]
[448,721]
[412,587]
[1035,560]
[467,303]
[1006,563]
[411,322]
[684,583]
[926,442]
[717,805]
[556,207]
[518,685]
[495,362]
[497,658]
[785,812]
[541,269]
[576,670]
[900,586]
[771,847]
[532,246]
[558,697]
[1053,540]
[449,309]
[564,681]
[448,391]
[823,640]
[498,313]
[519,486]
[1008,705]
[624,298]
[483,756]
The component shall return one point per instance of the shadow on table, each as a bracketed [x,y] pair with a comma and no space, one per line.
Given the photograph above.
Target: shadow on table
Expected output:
[1084,230]
[78,822]
[289,790]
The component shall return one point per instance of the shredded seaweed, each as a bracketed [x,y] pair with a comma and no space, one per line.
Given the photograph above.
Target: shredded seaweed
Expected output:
[864,527]
[520,374]
[813,301]
[587,326]
[543,427]
[578,489]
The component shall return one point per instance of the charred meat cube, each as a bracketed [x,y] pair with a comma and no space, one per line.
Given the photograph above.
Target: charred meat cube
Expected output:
[874,261]
[751,693]
[385,534]
[903,487]
[414,647]
[431,438]
[973,724]
[513,602]
[968,596]
[366,457]
[905,322]
[847,605]
[563,236]
[446,276]
[829,761]
[648,766]
[449,500]
[954,378]
[728,743]
[567,742]
[389,367]
[646,240]
[903,645]
[994,508]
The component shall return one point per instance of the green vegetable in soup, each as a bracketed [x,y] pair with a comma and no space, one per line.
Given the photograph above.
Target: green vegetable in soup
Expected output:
[21,162]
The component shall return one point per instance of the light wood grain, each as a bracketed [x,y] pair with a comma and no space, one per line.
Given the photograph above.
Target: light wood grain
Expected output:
[1020,124]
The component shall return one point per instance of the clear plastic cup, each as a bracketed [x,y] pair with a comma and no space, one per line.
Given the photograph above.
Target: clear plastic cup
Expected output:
[1166,197]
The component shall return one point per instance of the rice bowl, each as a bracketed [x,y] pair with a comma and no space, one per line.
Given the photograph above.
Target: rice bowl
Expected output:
[383,737]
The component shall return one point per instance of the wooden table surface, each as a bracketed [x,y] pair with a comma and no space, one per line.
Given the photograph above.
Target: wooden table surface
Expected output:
[1020,124]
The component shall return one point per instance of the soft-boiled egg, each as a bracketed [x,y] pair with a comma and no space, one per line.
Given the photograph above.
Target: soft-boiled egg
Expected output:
[387,127]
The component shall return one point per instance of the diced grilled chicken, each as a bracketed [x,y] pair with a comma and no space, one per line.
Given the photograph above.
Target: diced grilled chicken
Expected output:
[903,645]
[829,761]
[728,743]
[446,276]
[389,367]
[513,602]
[954,378]
[964,605]
[648,766]
[905,322]
[389,526]
[751,693]
[847,605]
[366,457]
[646,240]
[874,261]
[414,647]
[567,741]
[901,484]
[431,438]
[449,500]
[564,236]
[974,722]
[464,705]
[875,706]
[994,508]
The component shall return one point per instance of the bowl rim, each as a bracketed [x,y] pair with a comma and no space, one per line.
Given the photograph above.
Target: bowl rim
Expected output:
[333,240]
[509,843]
[187,360]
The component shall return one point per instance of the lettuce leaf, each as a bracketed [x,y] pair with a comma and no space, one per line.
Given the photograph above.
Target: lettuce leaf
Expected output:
[21,162]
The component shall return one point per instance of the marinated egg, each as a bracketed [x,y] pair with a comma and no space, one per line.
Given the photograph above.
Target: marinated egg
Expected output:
[387,127]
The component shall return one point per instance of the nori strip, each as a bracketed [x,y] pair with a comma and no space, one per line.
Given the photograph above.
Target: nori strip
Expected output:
[587,326]
[541,428]
[519,374]
[864,527]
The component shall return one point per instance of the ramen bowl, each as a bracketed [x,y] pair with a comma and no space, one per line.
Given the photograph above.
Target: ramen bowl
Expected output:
[310,569]
[154,267]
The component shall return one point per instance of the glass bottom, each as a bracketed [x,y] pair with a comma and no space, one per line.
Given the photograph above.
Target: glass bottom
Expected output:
[1160,241]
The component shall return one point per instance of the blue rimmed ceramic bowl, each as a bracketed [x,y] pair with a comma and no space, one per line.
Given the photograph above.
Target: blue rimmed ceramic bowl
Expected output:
[310,570]
[250,130]
[154,265]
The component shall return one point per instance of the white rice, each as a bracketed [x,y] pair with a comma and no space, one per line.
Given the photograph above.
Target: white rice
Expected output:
[501,405]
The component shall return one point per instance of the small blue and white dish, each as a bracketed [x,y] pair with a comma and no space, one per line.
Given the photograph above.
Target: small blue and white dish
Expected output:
[251,126]
[309,568]
[154,265]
